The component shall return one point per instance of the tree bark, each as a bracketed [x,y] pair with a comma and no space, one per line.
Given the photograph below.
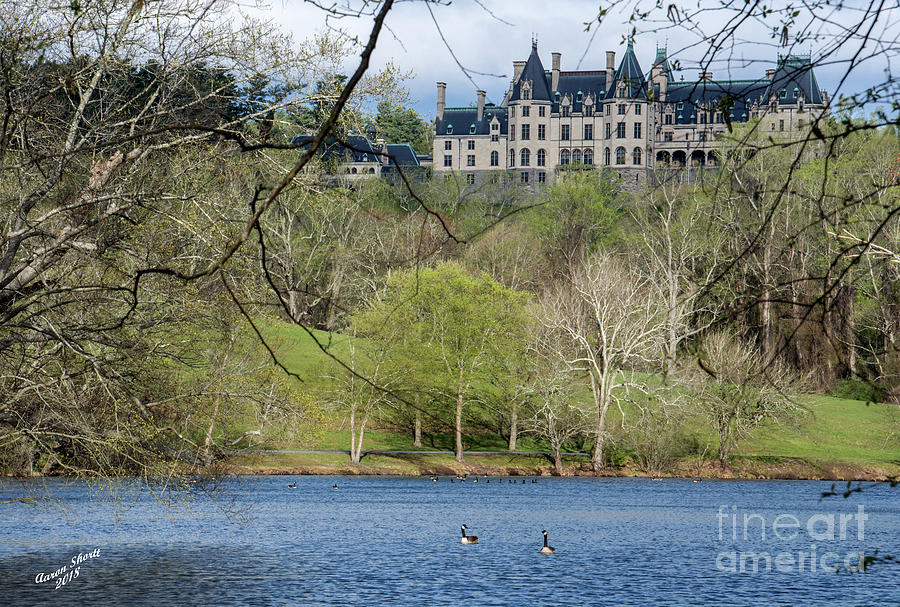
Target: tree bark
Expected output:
[459,405]
[513,427]
[557,461]
[417,437]
[354,456]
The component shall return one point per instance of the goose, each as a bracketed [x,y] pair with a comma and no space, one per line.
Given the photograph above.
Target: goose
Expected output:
[468,539]
[292,485]
[547,549]
[334,486]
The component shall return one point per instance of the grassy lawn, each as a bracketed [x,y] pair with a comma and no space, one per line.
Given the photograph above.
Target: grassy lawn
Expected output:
[851,431]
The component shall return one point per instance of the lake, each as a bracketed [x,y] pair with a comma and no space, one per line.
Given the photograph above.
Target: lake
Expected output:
[396,541]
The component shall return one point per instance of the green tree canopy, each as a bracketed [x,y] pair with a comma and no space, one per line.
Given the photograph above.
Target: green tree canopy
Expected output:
[396,124]
[451,329]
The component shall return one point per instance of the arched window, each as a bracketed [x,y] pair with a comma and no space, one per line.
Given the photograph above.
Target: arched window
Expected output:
[606,155]
[576,156]
[526,157]
[541,157]
[589,157]
[620,155]
[512,158]
[495,159]
[564,157]
[636,156]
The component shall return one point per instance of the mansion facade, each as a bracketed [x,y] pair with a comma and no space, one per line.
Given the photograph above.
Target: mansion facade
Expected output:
[618,118]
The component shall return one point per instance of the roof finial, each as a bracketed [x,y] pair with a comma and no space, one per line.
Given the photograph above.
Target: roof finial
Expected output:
[533,41]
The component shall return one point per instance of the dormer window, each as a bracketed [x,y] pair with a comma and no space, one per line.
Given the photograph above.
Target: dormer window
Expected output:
[578,97]
[783,93]
[680,106]
[495,126]
[449,129]
[471,129]
[796,90]
[525,90]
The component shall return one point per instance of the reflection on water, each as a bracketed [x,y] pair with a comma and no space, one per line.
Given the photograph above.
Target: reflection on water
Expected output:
[395,541]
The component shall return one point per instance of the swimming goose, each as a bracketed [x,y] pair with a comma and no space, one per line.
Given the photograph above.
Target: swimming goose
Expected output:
[547,549]
[292,485]
[468,539]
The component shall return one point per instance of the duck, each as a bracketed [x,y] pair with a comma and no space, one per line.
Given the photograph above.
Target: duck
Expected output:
[468,539]
[292,485]
[547,549]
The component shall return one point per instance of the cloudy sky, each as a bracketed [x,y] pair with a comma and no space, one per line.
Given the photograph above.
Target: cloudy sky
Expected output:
[486,36]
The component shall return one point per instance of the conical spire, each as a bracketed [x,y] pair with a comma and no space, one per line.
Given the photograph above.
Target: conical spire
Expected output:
[533,72]
[630,75]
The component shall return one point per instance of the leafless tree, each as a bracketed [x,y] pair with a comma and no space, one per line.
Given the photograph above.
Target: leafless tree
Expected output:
[612,323]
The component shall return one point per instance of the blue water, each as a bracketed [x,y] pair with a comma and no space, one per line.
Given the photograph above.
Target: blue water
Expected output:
[395,541]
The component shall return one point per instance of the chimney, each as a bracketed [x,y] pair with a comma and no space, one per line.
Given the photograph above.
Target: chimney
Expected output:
[518,67]
[610,68]
[770,74]
[441,99]
[705,76]
[481,95]
[557,60]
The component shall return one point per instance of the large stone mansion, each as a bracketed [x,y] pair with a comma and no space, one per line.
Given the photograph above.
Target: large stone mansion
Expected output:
[615,118]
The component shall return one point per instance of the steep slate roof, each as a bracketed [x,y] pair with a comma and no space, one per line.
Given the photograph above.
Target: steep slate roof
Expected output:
[459,121]
[630,74]
[794,75]
[402,154]
[733,96]
[534,72]
[360,148]
[586,82]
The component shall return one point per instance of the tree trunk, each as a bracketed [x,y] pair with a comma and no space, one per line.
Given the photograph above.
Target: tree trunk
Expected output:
[206,456]
[597,453]
[417,437]
[354,455]
[459,405]
[557,461]
[766,328]
[513,427]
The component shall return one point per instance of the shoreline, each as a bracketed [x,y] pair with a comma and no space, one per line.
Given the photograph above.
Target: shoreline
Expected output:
[740,469]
